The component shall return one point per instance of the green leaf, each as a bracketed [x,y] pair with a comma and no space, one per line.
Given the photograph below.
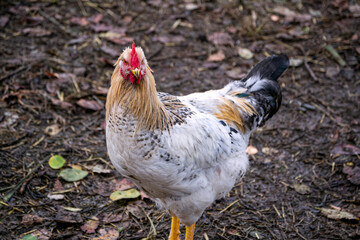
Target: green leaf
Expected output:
[29,237]
[72,174]
[56,162]
[127,194]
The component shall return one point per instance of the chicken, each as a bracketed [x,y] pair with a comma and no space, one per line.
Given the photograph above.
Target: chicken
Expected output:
[185,152]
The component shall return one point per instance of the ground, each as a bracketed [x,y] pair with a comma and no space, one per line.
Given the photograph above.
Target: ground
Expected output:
[56,61]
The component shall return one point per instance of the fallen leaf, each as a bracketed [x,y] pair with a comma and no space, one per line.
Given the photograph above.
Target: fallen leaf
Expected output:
[42,234]
[274,18]
[111,51]
[111,218]
[217,57]
[144,195]
[56,162]
[68,217]
[296,62]
[73,175]
[82,21]
[332,72]
[167,39]
[353,174]
[98,168]
[191,6]
[62,104]
[302,188]
[55,196]
[127,194]
[58,186]
[107,234]
[90,225]
[96,18]
[221,38]
[355,10]
[290,15]
[29,237]
[52,130]
[135,209]
[100,90]
[36,32]
[269,151]
[345,149]
[89,104]
[245,53]
[337,214]
[4,20]
[123,184]
[251,150]
[30,219]
[235,73]
[72,209]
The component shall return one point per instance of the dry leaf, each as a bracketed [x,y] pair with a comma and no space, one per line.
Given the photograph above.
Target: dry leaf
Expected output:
[221,38]
[107,234]
[36,32]
[217,57]
[111,217]
[245,53]
[89,104]
[302,188]
[30,219]
[82,21]
[68,217]
[235,73]
[337,214]
[55,196]
[353,174]
[251,150]
[4,20]
[52,130]
[90,225]
[269,151]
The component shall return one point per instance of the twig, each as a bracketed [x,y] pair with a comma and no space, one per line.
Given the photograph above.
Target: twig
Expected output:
[153,229]
[10,193]
[336,55]
[328,115]
[20,69]
[231,204]
[308,68]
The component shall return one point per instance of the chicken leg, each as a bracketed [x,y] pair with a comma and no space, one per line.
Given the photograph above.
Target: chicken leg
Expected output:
[190,232]
[175,229]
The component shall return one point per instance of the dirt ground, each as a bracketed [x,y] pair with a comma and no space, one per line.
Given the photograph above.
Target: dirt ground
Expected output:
[56,62]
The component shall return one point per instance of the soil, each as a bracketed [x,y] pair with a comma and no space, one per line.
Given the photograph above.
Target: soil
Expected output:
[56,61]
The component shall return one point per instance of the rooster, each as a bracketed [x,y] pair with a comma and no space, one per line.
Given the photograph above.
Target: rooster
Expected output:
[186,151]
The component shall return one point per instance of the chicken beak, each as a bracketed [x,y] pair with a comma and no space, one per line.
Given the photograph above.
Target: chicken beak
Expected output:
[135,72]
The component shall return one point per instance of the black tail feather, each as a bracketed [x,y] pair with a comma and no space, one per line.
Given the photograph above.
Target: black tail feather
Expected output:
[270,68]
[263,87]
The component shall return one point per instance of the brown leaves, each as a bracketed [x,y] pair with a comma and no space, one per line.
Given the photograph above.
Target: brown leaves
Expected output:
[217,57]
[36,32]
[345,149]
[337,214]
[291,16]
[353,174]
[221,38]
[30,219]
[107,234]
[68,217]
[90,104]
[90,225]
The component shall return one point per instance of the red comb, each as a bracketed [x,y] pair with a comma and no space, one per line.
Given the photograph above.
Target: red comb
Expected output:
[134,57]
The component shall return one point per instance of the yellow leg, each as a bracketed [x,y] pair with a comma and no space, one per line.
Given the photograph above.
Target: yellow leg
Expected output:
[190,232]
[175,229]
